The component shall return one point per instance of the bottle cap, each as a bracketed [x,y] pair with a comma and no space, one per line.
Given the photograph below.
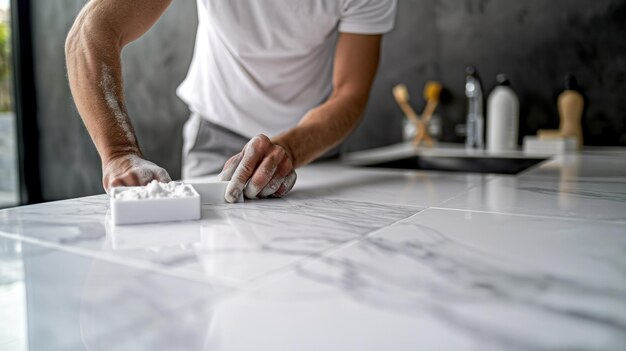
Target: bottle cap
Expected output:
[471,70]
[503,80]
[571,83]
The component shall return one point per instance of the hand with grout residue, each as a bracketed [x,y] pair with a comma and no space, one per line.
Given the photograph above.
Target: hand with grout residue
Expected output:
[92,50]
[266,167]
[262,169]
[131,170]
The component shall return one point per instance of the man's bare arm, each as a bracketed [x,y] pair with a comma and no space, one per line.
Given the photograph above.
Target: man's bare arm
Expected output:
[93,48]
[266,167]
[356,63]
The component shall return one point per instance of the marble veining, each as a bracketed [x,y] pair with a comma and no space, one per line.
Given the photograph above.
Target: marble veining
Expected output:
[570,198]
[428,268]
[352,259]
[231,243]
[383,186]
[598,167]
[80,303]
[619,197]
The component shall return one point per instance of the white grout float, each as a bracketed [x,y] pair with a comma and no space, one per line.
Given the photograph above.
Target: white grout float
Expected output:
[153,203]
[164,202]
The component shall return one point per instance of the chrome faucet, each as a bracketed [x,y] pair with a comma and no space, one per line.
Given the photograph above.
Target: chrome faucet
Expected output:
[475,117]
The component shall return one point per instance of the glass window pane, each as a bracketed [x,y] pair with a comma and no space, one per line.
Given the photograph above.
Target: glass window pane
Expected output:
[8,149]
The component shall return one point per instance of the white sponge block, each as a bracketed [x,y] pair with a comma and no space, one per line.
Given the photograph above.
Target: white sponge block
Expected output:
[155,202]
[212,192]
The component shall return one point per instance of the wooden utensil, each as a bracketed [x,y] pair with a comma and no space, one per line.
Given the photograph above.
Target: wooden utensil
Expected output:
[432,93]
[571,105]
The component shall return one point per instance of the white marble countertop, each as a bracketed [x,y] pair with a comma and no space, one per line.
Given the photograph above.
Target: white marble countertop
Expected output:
[352,259]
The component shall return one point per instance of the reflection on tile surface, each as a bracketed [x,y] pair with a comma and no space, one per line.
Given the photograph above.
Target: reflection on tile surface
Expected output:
[451,280]
[590,167]
[351,260]
[78,303]
[579,199]
[231,244]
[382,186]
[13,328]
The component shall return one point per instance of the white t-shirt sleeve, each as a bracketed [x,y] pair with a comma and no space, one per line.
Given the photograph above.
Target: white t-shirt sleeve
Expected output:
[367,16]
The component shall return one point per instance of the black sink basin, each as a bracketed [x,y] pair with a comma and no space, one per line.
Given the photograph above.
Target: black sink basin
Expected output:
[473,164]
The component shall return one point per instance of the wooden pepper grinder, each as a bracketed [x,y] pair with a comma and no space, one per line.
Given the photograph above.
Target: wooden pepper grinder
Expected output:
[571,104]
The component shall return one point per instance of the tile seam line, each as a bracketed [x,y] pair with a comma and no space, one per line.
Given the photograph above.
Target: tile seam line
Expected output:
[276,274]
[136,264]
[530,215]
[465,191]
[380,203]
[388,203]
[154,268]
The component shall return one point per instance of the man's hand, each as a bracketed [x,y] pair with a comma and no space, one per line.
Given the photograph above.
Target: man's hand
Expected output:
[260,170]
[92,50]
[131,170]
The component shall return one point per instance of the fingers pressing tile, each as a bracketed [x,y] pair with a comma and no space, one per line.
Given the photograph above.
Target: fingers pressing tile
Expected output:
[262,177]
[243,173]
[232,195]
[271,188]
[286,185]
[251,191]
[230,167]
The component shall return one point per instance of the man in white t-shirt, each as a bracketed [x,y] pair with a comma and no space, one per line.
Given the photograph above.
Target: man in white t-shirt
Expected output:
[273,85]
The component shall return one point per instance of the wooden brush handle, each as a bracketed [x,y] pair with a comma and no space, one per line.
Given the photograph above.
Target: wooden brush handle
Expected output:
[422,135]
[571,105]
[409,112]
[545,134]
[429,110]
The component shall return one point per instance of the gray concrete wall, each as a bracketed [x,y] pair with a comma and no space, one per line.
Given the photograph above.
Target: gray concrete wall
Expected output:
[535,42]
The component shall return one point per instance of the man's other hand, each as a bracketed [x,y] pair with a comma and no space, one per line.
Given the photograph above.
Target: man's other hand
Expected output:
[131,170]
[262,169]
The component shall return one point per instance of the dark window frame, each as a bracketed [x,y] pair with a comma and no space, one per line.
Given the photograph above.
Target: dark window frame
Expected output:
[25,103]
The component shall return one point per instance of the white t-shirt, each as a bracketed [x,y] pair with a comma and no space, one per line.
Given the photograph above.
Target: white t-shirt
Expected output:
[260,65]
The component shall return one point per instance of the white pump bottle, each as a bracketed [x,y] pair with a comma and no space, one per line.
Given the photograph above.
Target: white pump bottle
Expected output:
[502,117]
